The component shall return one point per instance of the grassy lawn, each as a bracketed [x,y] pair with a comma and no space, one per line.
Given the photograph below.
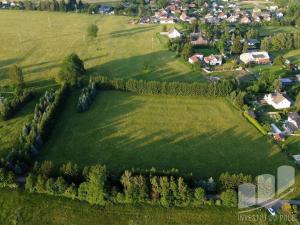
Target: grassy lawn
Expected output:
[38,41]
[198,135]
[11,128]
[36,209]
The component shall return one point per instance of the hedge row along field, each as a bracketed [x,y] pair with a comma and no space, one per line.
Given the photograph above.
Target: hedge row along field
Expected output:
[220,89]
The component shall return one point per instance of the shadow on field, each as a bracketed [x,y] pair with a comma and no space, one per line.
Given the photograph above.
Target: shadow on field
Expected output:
[152,66]
[113,132]
[132,31]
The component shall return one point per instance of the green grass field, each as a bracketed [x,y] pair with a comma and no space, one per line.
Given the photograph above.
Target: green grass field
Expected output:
[193,134]
[38,42]
[36,209]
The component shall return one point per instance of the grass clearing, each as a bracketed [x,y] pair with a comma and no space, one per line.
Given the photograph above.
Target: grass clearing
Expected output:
[204,136]
[38,42]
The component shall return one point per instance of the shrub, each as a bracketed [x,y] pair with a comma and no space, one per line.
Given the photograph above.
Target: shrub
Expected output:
[92,31]
[229,198]
[86,97]
[16,76]
[71,70]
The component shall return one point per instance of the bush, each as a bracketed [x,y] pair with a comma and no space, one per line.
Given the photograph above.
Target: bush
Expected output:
[11,106]
[86,97]
[229,198]
[92,31]
[16,76]
[71,70]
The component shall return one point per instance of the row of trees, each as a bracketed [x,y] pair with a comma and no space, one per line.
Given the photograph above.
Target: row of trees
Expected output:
[94,185]
[86,97]
[281,41]
[222,88]
[34,134]
[11,105]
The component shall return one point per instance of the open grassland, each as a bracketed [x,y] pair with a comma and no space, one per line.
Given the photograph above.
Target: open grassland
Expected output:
[199,135]
[36,209]
[38,42]
[10,129]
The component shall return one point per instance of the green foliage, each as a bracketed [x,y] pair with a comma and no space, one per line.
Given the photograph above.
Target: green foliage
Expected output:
[186,51]
[238,98]
[279,60]
[14,104]
[199,196]
[71,70]
[229,198]
[92,31]
[16,76]
[222,88]
[232,181]
[95,185]
[236,47]
[297,102]
[255,123]
[86,97]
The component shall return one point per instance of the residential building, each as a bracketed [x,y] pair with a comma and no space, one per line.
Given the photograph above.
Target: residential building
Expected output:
[255,57]
[195,58]
[213,60]
[174,33]
[278,100]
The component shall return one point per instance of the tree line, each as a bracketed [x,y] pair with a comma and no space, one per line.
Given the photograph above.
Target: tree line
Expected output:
[281,41]
[220,89]
[34,133]
[12,105]
[96,186]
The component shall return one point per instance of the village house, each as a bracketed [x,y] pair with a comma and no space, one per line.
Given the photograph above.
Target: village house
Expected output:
[222,16]
[278,100]
[233,19]
[213,60]
[174,33]
[294,120]
[197,39]
[245,20]
[195,58]
[255,57]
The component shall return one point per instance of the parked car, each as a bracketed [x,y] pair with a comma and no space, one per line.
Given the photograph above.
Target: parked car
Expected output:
[271,211]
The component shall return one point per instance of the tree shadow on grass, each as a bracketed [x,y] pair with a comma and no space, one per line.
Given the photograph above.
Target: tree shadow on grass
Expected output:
[132,31]
[152,66]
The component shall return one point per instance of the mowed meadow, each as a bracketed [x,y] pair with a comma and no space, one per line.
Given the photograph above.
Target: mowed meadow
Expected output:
[205,136]
[38,42]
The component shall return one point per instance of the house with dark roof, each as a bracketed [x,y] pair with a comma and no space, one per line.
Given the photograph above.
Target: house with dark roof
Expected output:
[294,120]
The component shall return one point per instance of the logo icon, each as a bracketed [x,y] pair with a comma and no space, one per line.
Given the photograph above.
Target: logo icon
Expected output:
[265,193]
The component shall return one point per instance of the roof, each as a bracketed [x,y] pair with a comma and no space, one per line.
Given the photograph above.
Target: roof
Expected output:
[278,97]
[294,116]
